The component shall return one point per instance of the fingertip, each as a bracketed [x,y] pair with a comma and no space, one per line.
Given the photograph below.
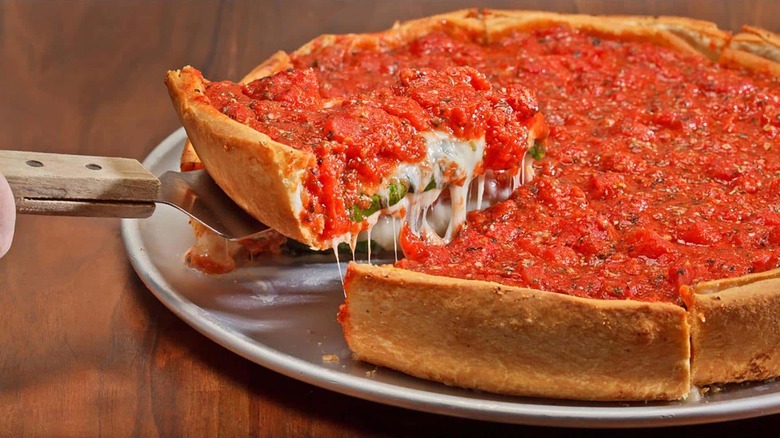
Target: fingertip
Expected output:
[7,216]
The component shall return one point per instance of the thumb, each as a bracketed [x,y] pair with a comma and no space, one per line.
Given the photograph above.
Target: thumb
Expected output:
[7,216]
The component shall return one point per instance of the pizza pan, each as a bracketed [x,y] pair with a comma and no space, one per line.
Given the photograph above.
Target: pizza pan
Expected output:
[280,312]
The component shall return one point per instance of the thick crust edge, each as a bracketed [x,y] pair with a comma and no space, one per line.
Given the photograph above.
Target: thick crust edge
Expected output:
[736,329]
[754,48]
[513,340]
[262,176]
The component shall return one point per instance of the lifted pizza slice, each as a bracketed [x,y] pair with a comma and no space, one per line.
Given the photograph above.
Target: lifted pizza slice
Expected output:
[320,170]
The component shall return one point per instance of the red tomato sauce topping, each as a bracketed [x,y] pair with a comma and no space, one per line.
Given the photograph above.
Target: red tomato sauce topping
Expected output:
[662,170]
[359,137]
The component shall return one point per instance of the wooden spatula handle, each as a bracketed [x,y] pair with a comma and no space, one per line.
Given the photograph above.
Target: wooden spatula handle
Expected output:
[78,185]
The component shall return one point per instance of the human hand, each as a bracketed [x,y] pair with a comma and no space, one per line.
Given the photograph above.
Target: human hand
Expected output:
[7,216]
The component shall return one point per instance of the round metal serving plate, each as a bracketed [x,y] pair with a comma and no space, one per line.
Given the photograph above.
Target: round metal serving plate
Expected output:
[280,312]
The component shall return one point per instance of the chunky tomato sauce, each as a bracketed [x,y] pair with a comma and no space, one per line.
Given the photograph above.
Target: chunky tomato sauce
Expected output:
[363,133]
[662,170]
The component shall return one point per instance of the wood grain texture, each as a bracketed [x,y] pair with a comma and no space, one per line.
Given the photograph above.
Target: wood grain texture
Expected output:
[85,349]
[79,185]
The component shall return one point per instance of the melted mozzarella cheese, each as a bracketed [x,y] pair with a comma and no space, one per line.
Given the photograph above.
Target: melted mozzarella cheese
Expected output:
[451,163]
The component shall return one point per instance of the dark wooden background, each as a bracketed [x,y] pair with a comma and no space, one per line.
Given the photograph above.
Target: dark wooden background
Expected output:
[85,349]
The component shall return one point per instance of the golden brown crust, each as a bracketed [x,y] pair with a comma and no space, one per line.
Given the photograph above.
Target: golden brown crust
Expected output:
[261,175]
[754,48]
[760,42]
[736,331]
[714,286]
[735,326]
[513,340]
[499,23]
[465,24]
[741,58]
[703,36]
[189,159]
[279,61]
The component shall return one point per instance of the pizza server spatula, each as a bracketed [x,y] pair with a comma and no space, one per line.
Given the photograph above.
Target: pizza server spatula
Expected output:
[79,185]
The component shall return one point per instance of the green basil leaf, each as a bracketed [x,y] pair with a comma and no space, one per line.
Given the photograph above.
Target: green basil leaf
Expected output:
[396,192]
[537,151]
[358,214]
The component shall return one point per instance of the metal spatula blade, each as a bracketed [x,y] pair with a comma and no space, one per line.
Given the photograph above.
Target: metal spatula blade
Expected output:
[196,194]
[79,185]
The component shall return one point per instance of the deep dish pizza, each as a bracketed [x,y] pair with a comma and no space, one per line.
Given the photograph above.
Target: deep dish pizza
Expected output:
[633,242]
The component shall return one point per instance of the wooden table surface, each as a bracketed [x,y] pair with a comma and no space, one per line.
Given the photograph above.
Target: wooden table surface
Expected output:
[85,349]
